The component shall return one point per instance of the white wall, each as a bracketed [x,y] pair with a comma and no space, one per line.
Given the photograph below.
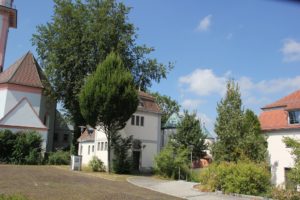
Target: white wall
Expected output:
[3,93]
[279,154]
[13,97]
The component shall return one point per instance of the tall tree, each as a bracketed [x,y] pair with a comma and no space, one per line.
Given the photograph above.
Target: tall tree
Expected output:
[238,131]
[189,134]
[254,143]
[228,125]
[79,36]
[167,105]
[109,98]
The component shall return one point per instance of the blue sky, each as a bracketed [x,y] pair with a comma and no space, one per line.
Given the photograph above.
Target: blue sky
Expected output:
[256,42]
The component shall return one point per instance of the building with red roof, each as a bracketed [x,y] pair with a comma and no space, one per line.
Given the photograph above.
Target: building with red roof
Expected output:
[278,120]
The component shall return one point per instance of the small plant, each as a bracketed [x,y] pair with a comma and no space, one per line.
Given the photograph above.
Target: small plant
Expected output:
[59,158]
[281,194]
[12,197]
[96,165]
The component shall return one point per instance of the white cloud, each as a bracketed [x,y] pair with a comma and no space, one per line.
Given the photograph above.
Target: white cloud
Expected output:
[291,50]
[191,104]
[204,24]
[204,82]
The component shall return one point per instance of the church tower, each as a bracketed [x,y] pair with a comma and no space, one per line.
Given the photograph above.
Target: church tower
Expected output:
[8,19]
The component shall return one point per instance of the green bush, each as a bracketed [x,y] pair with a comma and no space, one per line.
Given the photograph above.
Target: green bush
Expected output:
[27,148]
[59,158]
[7,140]
[281,194]
[12,197]
[242,178]
[169,160]
[96,165]
[122,163]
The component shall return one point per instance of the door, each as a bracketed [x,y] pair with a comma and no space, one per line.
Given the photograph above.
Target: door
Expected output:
[136,160]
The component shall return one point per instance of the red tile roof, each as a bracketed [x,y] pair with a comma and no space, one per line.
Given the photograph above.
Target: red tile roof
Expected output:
[275,115]
[148,103]
[24,71]
[86,136]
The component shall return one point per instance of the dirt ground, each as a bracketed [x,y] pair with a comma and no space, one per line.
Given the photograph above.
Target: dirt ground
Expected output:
[48,182]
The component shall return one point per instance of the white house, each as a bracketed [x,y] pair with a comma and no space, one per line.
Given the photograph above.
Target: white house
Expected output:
[144,126]
[281,119]
[23,105]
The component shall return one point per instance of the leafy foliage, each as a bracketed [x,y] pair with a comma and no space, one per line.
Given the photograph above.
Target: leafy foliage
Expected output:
[122,164]
[167,105]
[239,135]
[109,97]
[96,165]
[12,197]
[7,140]
[59,158]
[189,133]
[242,178]
[27,148]
[95,28]
[294,174]
[170,159]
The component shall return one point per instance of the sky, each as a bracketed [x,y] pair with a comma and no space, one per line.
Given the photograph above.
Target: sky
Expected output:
[254,42]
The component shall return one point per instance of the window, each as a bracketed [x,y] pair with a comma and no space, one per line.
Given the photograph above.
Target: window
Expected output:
[137,119]
[89,148]
[132,120]
[142,121]
[105,146]
[80,150]
[66,137]
[98,147]
[93,148]
[294,117]
[102,144]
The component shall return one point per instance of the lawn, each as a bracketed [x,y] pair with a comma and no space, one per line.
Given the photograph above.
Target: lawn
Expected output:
[50,182]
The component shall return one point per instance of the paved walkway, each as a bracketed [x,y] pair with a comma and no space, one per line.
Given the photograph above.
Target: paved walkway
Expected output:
[180,189]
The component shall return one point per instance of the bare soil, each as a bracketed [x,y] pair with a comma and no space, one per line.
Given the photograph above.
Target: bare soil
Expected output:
[49,182]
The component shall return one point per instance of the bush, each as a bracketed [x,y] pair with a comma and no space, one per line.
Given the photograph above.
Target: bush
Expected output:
[59,158]
[242,178]
[12,197]
[96,165]
[27,148]
[7,140]
[281,194]
[169,160]
[122,164]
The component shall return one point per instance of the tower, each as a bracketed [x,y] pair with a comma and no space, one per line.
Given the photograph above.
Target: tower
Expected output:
[8,19]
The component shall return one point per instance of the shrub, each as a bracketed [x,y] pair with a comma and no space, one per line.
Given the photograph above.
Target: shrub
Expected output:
[122,164]
[12,197]
[27,148]
[242,178]
[169,160]
[59,158]
[281,194]
[96,165]
[7,140]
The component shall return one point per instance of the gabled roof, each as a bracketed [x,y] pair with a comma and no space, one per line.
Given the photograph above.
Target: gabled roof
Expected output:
[173,121]
[25,71]
[87,136]
[291,101]
[22,116]
[275,115]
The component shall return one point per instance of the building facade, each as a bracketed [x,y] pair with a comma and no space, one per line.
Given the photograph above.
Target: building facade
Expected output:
[278,120]
[144,126]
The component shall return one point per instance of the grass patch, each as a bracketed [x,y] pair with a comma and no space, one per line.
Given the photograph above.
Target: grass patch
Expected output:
[13,197]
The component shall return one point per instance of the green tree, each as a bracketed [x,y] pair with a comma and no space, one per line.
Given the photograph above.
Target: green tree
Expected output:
[79,36]
[238,131]
[167,105]
[7,140]
[254,143]
[229,124]
[189,134]
[294,174]
[122,163]
[109,98]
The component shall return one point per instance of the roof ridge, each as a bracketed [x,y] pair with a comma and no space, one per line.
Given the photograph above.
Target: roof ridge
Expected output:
[18,67]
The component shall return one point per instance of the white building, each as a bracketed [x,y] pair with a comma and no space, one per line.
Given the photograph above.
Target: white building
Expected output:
[144,126]
[281,119]
[23,105]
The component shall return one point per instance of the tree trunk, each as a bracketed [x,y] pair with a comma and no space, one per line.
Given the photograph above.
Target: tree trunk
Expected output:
[108,150]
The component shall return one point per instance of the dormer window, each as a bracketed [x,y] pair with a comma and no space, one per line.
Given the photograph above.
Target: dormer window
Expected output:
[294,117]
